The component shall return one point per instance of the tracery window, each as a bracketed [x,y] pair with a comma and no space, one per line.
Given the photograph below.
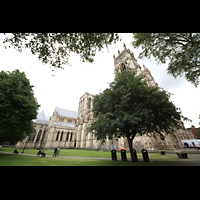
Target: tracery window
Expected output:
[71,136]
[89,103]
[57,136]
[33,137]
[61,136]
[61,119]
[123,67]
[43,135]
[38,136]
[67,136]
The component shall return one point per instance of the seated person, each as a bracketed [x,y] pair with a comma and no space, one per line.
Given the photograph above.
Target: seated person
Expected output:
[43,153]
[15,151]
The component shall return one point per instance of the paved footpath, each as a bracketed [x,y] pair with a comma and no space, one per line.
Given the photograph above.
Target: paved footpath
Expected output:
[24,154]
[193,159]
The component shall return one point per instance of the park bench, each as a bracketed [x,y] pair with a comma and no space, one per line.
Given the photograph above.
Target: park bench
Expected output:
[40,154]
[182,155]
[15,153]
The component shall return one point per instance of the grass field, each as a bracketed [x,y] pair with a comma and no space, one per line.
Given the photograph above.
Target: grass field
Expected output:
[21,160]
[89,153]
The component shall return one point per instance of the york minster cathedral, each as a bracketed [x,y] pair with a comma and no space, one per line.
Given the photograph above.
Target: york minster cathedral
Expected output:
[68,129]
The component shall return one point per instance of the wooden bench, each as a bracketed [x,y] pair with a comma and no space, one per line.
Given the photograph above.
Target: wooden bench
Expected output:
[40,154]
[182,155]
[16,153]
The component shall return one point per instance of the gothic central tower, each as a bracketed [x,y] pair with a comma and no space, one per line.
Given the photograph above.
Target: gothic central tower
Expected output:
[126,60]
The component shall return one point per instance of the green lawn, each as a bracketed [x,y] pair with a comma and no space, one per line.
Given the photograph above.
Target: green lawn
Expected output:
[89,153]
[20,160]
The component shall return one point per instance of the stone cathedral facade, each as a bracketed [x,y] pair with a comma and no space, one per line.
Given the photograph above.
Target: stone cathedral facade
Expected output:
[68,129]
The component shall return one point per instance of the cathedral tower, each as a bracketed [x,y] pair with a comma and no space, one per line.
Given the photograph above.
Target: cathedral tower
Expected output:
[83,140]
[126,60]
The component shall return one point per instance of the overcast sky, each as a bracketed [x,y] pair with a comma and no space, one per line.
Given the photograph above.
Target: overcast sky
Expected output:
[66,86]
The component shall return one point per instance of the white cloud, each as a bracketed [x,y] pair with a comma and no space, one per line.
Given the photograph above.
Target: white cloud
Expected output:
[187,98]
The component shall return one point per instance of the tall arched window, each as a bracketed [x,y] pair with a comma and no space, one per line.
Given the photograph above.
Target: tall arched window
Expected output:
[83,103]
[33,138]
[38,136]
[43,135]
[67,136]
[61,136]
[71,136]
[57,136]
[123,67]
[89,103]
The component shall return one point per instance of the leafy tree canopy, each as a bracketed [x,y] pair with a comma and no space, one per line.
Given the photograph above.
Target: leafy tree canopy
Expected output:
[18,107]
[55,48]
[129,106]
[181,49]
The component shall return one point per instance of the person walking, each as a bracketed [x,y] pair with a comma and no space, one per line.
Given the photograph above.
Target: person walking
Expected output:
[58,151]
[55,152]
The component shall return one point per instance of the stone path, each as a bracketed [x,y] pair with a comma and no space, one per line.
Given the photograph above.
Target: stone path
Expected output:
[193,159]
[59,156]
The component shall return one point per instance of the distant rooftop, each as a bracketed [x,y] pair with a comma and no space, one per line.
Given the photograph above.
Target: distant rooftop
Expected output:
[43,119]
[38,121]
[65,124]
[66,113]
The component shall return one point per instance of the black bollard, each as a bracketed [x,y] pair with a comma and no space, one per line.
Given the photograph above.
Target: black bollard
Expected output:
[113,154]
[134,156]
[145,155]
[123,154]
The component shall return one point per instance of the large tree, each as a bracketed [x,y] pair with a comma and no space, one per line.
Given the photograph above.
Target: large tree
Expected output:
[182,50]
[55,48]
[129,106]
[18,107]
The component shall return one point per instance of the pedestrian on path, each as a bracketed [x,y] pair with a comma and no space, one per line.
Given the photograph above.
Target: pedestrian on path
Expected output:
[55,152]
[58,151]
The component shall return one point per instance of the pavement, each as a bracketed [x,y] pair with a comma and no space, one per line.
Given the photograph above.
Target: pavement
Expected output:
[193,159]
[24,154]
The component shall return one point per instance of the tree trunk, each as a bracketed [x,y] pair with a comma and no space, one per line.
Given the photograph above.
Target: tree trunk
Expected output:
[130,141]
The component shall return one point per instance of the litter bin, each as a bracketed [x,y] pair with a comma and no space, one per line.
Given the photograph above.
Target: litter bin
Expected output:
[145,155]
[182,155]
[123,154]
[113,154]
[134,155]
